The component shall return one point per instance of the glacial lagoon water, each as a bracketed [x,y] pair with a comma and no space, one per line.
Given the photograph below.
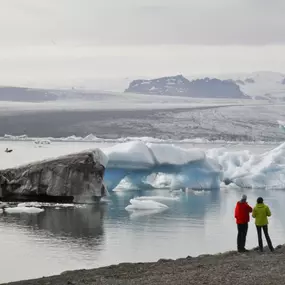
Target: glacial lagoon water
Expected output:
[66,238]
[61,239]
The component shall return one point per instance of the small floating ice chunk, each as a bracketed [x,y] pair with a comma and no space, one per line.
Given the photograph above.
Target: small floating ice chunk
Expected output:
[198,192]
[30,204]
[28,210]
[157,198]
[138,214]
[42,141]
[233,186]
[201,192]
[49,205]
[144,205]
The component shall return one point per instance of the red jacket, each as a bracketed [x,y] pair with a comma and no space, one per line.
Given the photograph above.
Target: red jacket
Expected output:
[242,211]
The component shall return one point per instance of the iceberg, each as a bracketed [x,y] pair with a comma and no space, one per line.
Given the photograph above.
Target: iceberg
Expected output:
[265,171]
[281,125]
[157,198]
[27,210]
[77,177]
[139,163]
[140,214]
[198,192]
[136,165]
[50,205]
[247,170]
[145,205]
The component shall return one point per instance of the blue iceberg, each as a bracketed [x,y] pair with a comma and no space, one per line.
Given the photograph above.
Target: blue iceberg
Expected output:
[139,164]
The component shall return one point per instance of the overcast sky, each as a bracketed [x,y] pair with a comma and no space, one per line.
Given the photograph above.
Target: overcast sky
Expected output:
[213,35]
[151,22]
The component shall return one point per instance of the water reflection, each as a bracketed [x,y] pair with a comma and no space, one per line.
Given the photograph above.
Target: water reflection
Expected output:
[63,239]
[73,224]
[189,204]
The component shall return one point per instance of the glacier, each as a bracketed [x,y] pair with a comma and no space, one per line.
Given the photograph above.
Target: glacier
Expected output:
[140,165]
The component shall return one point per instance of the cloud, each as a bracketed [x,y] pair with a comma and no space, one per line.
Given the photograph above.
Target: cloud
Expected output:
[137,22]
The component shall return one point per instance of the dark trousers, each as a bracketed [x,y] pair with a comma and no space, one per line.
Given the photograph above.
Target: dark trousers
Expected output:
[241,237]
[259,234]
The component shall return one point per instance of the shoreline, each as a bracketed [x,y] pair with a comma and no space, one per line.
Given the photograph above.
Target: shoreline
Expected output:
[230,268]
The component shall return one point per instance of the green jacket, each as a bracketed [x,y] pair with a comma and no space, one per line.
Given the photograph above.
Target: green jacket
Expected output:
[260,213]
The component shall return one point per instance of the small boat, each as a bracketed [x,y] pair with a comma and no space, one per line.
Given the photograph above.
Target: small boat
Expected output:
[8,150]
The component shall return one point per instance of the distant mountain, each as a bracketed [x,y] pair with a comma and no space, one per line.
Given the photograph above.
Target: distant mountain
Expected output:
[181,86]
[25,94]
[262,84]
[22,94]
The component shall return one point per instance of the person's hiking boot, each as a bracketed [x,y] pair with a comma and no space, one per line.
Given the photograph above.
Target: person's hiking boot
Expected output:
[242,250]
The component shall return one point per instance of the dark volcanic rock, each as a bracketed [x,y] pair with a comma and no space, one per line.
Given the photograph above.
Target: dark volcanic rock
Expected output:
[77,175]
[180,86]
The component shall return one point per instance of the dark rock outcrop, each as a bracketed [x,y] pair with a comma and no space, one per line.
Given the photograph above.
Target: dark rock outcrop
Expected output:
[68,178]
[180,86]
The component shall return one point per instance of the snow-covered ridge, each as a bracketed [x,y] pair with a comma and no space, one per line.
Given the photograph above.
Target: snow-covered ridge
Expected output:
[181,86]
[263,84]
[257,85]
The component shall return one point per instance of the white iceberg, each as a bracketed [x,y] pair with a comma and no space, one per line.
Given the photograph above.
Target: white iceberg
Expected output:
[49,205]
[144,205]
[27,210]
[157,198]
[198,192]
[147,166]
[139,162]
[42,141]
[281,125]
[139,214]
[263,171]
[247,170]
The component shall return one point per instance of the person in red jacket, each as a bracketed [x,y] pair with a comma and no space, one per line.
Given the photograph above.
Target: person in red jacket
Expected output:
[242,211]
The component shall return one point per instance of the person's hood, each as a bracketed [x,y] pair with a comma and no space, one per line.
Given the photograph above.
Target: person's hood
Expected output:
[260,205]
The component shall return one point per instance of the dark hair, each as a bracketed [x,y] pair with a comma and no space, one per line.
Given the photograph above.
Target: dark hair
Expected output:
[259,200]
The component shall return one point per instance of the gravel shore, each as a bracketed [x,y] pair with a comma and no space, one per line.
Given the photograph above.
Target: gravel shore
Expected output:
[227,268]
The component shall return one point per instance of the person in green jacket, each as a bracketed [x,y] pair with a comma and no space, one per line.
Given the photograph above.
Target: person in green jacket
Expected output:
[260,213]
